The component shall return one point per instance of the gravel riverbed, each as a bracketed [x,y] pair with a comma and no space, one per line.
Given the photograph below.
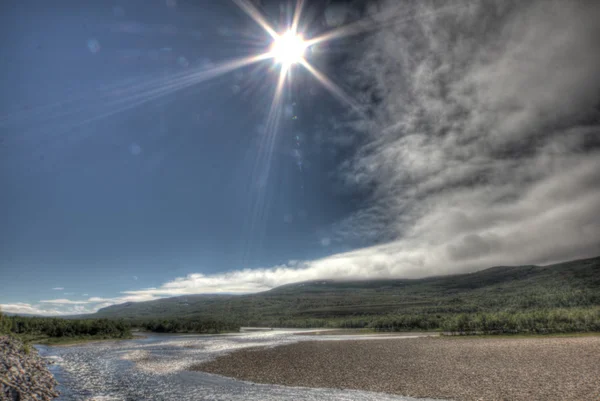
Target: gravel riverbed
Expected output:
[536,368]
[23,373]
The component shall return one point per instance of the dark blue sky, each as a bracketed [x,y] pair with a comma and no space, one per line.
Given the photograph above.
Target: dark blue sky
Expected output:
[163,189]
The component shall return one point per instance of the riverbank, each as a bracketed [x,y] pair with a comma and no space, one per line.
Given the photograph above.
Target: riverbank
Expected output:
[367,333]
[525,368]
[68,341]
[23,373]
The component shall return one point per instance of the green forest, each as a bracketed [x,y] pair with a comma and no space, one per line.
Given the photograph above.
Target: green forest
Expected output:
[198,326]
[46,330]
[542,321]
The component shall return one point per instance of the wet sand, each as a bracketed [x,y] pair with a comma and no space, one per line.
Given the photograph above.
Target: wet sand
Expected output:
[535,368]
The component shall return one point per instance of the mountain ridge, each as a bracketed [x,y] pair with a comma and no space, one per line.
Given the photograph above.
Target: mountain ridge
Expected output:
[566,284]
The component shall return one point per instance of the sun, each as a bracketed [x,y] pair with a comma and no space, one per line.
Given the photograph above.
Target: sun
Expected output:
[288,48]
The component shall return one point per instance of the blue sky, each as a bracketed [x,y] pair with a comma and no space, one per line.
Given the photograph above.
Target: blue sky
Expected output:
[450,149]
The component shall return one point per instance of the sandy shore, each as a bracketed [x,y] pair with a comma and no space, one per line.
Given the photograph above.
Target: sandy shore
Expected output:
[537,368]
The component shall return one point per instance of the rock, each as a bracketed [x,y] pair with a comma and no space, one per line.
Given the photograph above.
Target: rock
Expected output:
[23,375]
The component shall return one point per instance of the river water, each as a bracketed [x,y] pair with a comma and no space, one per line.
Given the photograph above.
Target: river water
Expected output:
[155,368]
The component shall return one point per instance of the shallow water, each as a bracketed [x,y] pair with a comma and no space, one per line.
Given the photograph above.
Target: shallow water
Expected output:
[155,368]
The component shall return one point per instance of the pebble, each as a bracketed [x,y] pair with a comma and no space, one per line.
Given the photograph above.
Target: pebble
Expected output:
[468,369]
[24,376]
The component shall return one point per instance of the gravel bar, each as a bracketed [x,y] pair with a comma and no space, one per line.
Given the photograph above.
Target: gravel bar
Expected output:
[536,368]
[23,373]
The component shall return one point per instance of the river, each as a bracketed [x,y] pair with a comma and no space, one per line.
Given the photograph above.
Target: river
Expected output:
[155,368]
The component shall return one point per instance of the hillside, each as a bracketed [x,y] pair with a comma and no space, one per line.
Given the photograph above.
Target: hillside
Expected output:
[574,284]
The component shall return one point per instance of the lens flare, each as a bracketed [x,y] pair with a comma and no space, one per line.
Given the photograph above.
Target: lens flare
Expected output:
[288,48]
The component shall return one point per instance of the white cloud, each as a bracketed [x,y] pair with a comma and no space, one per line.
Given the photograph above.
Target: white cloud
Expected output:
[65,306]
[21,307]
[487,106]
[58,288]
[64,302]
[125,298]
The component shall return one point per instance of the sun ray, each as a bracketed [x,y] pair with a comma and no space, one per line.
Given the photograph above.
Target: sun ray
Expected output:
[375,22]
[253,13]
[272,122]
[297,14]
[138,95]
[118,98]
[363,25]
[330,86]
[262,167]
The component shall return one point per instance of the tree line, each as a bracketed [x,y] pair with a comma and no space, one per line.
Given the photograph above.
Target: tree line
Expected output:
[57,327]
[202,326]
[541,321]
[567,320]
[5,324]
[107,328]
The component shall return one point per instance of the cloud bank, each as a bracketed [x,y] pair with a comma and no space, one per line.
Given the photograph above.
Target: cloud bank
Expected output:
[489,154]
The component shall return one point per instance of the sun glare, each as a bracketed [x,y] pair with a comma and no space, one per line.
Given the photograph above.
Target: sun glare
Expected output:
[288,48]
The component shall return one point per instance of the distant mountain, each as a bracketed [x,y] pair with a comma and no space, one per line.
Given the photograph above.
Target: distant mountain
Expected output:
[569,284]
[21,314]
[164,307]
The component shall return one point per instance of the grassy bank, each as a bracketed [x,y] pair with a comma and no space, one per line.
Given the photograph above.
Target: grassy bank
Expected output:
[45,340]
